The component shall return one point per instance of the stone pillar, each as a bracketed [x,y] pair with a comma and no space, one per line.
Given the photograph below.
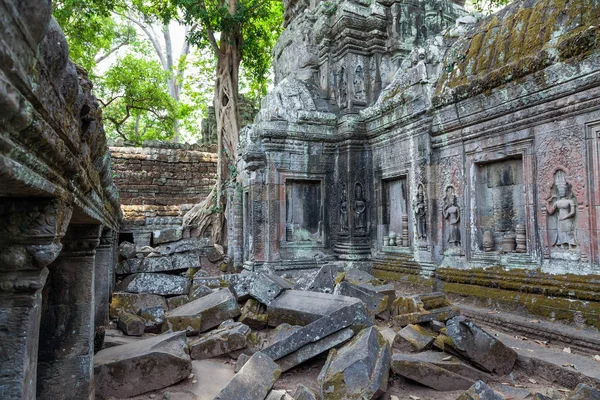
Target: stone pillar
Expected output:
[103,277]
[30,232]
[65,365]
[236,234]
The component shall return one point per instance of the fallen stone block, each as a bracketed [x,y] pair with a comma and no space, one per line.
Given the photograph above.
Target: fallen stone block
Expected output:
[436,370]
[254,381]
[480,391]
[131,324]
[154,317]
[184,245]
[278,395]
[127,250]
[359,370]
[144,366]
[584,392]
[357,277]
[304,393]
[422,308]
[465,339]
[254,314]
[241,360]
[212,282]
[133,303]
[513,393]
[260,286]
[200,291]
[386,290]
[313,332]
[162,284]
[166,235]
[435,326]
[174,262]
[177,301]
[376,303]
[414,338]
[298,307]
[202,314]
[324,281]
[228,337]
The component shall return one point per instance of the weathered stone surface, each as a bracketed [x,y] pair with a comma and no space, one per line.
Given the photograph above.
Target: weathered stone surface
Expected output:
[174,262]
[304,393]
[254,381]
[166,235]
[464,338]
[357,277]
[480,391]
[386,290]
[133,303]
[131,324]
[359,370]
[199,291]
[313,332]
[298,307]
[154,317]
[177,301]
[203,313]
[260,286]
[213,282]
[278,395]
[584,392]
[422,308]
[325,280]
[254,314]
[162,284]
[241,360]
[136,368]
[228,337]
[414,338]
[126,250]
[376,303]
[435,370]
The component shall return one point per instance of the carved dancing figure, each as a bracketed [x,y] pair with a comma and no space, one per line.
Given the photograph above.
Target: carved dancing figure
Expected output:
[421,214]
[359,83]
[564,201]
[343,88]
[451,212]
[360,220]
[344,210]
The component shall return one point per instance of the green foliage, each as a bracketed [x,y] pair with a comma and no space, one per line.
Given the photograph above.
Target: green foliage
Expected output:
[487,6]
[136,100]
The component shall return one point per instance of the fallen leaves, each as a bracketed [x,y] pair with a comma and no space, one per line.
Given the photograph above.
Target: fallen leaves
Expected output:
[532,381]
[542,342]
[450,358]
[414,397]
[521,337]
[535,321]
[567,350]
[597,357]
[569,365]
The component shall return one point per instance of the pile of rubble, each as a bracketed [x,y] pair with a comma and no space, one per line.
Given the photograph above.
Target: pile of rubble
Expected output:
[328,310]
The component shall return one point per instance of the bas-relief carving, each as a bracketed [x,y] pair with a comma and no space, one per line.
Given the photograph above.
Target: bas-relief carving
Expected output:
[360,215]
[344,210]
[562,209]
[342,88]
[420,212]
[359,84]
[451,212]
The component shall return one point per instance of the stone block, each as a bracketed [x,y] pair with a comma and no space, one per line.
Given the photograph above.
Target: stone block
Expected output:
[162,284]
[131,324]
[433,369]
[480,391]
[278,395]
[357,277]
[174,262]
[228,337]
[213,282]
[260,286]
[298,307]
[414,338]
[204,313]
[359,370]
[584,392]
[422,308]
[465,339]
[154,317]
[133,302]
[376,303]
[254,380]
[200,291]
[313,332]
[386,290]
[325,280]
[304,393]
[126,250]
[166,235]
[177,301]
[140,367]
[254,314]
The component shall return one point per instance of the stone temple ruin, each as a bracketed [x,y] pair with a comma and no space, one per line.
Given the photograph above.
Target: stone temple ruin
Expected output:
[416,216]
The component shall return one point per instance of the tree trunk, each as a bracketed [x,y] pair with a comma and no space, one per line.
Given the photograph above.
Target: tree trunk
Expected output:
[211,212]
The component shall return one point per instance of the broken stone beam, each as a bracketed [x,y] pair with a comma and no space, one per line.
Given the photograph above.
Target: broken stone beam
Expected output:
[150,364]
[422,308]
[254,381]
[133,303]
[162,284]
[228,337]
[376,303]
[315,331]
[260,286]
[304,393]
[465,339]
[297,307]
[436,370]
[174,262]
[359,370]
[131,325]
[204,313]
[414,338]
[480,390]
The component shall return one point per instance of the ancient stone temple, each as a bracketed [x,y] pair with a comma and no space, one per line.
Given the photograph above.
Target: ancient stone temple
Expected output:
[59,212]
[408,138]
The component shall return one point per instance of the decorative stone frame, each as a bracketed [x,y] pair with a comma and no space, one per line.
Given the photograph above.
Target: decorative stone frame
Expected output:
[299,176]
[592,137]
[381,179]
[475,157]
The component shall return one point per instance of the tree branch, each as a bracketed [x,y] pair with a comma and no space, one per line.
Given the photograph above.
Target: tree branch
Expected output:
[103,57]
[152,37]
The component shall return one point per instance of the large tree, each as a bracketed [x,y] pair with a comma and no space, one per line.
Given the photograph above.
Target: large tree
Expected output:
[236,31]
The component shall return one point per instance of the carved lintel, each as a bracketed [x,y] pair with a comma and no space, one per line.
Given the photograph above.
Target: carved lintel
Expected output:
[23,281]
[81,240]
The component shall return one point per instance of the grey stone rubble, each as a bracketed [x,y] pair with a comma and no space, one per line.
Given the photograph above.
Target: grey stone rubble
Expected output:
[161,284]
[229,336]
[254,380]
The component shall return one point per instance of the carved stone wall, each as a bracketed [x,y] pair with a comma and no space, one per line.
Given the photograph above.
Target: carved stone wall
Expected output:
[55,183]
[489,129]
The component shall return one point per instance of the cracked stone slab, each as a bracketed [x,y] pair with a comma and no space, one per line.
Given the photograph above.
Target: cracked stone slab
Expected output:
[254,380]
